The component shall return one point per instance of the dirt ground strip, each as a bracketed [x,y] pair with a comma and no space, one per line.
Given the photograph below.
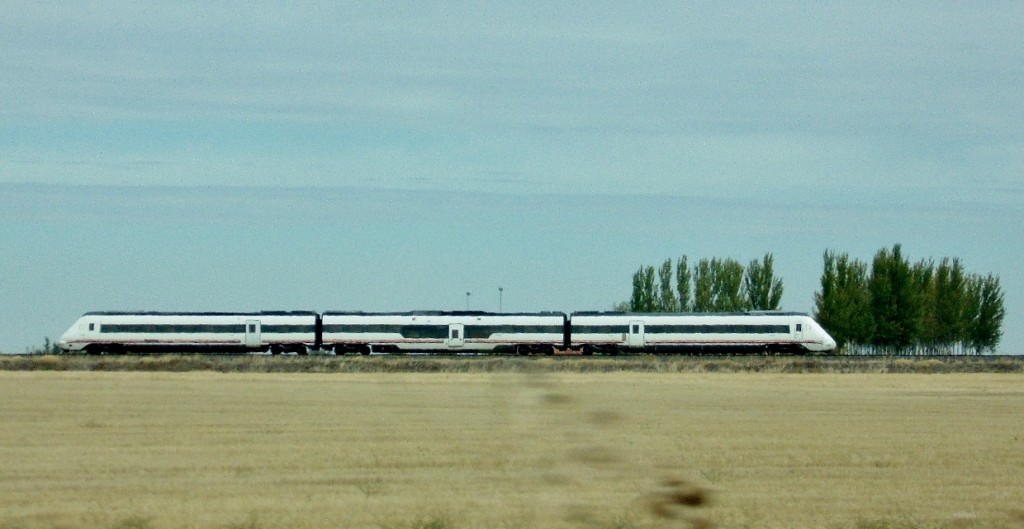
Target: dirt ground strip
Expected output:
[493,364]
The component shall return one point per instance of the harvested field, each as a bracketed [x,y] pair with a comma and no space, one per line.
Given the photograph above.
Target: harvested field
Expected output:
[512,450]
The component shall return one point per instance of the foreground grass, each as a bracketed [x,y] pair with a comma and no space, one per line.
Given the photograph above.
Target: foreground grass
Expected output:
[442,364]
[134,450]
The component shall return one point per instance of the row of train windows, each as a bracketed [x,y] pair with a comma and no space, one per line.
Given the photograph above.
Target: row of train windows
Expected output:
[123,328]
[484,331]
[718,329]
[683,329]
[441,331]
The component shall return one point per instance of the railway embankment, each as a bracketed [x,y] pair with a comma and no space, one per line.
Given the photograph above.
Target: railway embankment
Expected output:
[495,364]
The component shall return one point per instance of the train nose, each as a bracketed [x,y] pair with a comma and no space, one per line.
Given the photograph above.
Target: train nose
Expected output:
[64,341]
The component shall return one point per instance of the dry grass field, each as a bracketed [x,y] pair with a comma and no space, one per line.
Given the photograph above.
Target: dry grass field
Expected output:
[134,450]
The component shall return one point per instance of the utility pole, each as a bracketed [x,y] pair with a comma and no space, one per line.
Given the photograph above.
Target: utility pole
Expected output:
[467,301]
[500,290]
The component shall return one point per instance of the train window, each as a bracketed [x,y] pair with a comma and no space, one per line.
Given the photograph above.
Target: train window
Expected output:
[636,329]
[252,328]
[799,327]
[455,334]
[92,326]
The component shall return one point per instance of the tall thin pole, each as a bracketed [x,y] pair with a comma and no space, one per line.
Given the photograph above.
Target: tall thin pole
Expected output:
[467,300]
[500,290]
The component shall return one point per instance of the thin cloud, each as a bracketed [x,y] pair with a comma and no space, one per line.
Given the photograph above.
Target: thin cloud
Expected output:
[854,96]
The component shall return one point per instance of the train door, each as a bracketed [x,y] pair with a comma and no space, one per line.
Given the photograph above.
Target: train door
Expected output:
[252,334]
[636,334]
[456,335]
[798,332]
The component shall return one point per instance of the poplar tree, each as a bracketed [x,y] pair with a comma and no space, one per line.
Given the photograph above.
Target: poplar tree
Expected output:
[949,305]
[895,304]
[683,278]
[703,286]
[643,299]
[986,328]
[764,291]
[923,288]
[728,286]
[666,293]
[843,305]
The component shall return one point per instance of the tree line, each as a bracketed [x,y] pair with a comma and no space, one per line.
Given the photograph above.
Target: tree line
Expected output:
[895,307]
[711,285]
[889,307]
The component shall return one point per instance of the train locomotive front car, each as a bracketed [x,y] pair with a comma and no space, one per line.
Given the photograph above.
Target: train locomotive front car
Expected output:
[444,332]
[694,333]
[191,332]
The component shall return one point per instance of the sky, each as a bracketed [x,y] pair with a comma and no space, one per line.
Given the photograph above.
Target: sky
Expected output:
[390,156]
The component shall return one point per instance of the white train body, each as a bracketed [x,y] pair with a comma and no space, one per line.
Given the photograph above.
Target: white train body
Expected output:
[447,332]
[191,332]
[665,332]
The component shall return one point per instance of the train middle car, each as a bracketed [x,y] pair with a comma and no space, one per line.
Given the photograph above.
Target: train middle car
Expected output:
[444,332]
[696,333]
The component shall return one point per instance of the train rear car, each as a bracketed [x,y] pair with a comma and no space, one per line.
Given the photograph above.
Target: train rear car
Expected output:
[444,332]
[191,332]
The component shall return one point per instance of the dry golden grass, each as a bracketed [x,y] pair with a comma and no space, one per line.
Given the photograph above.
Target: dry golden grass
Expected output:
[452,451]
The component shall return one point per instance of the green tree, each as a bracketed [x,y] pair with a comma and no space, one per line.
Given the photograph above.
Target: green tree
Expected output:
[900,308]
[683,279]
[643,299]
[667,301]
[986,327]
[895,301]
[703,286]
[923,286]
[728,286]
[843,305]
[945,319]
[972,311]
[764,291]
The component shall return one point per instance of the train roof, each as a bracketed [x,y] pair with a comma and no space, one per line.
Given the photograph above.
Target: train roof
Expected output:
[158,313]
[441,313]
[744,313]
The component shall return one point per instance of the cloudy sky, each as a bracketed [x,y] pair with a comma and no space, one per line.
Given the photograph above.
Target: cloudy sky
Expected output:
[389,156]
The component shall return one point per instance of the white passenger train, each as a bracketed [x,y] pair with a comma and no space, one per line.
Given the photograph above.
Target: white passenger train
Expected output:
[445,332]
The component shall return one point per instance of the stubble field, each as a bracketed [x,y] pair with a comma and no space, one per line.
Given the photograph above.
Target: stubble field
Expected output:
[135,450]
